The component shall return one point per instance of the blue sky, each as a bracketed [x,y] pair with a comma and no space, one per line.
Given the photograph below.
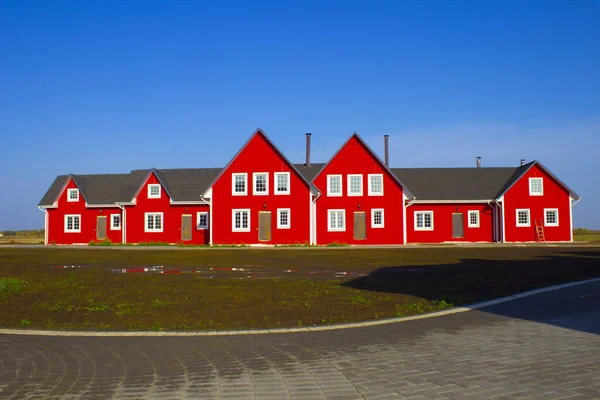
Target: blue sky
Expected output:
[110,86]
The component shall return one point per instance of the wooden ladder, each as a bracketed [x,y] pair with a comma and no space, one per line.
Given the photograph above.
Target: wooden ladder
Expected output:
[539,232]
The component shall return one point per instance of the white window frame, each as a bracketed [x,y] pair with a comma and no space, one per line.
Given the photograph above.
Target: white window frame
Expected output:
[69,199]
[162,222]
[469,224]
[373,224]
[348,179]
[371,193]
[150,187]
[546,216]
[112,222]
[289,183]
[329,228]
[528,217]
[423,228]
[245,192]
[289,222]
[254,176]
[240,210]
[198,227]
[329,192]
[531,192]
[67,216]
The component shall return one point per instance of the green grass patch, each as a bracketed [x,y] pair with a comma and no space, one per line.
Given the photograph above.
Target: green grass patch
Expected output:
[10,286]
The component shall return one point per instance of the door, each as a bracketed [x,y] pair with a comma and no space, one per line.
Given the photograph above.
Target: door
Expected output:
[264,225]
[186,227]
[458,226]
[360,226]
[101,228]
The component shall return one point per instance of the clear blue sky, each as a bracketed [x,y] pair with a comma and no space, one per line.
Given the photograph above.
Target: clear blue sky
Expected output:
[110,86]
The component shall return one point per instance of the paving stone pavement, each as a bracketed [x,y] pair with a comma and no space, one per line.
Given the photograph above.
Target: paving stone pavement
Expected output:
[545,346]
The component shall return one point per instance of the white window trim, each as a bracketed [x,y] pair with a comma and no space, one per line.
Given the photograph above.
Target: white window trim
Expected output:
[373,225]
[245,192]
[375,193]
[72,216]
[289,213]
[233,228]
[276,191]
[198,220]
[546,216]
[329,192]
[152,185]
[470,225]
[162,222]
[69,199]
[528,217]
[424,228]
[112,225]
[361,185]
[531,193]
[254,192]
[329,228]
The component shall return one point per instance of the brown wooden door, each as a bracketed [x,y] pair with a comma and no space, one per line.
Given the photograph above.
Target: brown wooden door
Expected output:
[360,226]
[186,227]
[264,225]
[101,228]
[458,226]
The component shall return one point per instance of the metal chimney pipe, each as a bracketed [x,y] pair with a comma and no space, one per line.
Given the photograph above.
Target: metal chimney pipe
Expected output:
[308,135]
[478,162]
[386,148]
[522,162]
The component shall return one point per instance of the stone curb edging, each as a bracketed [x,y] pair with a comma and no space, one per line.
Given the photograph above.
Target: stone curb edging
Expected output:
[450,311]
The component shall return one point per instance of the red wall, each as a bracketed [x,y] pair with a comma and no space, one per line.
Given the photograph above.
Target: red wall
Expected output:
[135,218]
[442,223]
[56,220]
[555,196]
[260,156]
[355,158]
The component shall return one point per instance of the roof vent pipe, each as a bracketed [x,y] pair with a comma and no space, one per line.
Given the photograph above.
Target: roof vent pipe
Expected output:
[308,135]
[522,162]
[478,162]
[386,148]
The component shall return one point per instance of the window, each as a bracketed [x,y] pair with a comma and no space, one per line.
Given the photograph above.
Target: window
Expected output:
[241,221]
[282,183]
[239,184]
[334,185]
[337,220]
[283,218]
[377,218]
[115,222]
[72,223]
[154,222]
[376,185]
[154,191]
[551,217]
[72,195]
[261,183]
[355,185]
[202,220]
[523,218]
[536,187]
[423,220]
[473,219]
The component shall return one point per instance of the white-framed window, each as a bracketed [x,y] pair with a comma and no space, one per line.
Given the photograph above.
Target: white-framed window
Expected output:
[523,217]
[239,184]
[355,187]
[336,220]
[334,185]
[551,217]
[202,220]
[377,218]
[72,195]
[154,191]
[153,222]
[261,183]
[282,183]
[115,222]
[473,219]
[283,218]
[536,187]
[73,223]
[423,220]
[240,220]
[375,185]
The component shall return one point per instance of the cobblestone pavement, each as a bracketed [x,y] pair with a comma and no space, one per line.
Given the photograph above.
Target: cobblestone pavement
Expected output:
[545,346]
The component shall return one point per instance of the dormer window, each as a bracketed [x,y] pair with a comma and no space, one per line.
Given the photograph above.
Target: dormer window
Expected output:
[536,187]
[154,191]
[72,195]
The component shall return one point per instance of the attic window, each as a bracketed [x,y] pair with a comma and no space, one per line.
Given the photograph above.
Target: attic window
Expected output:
[536,187]
[72,195]
[154,191]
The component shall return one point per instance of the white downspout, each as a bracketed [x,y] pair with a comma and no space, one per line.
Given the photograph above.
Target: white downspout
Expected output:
[495,233]
[210,219]
[406,205]
[123,224]
[314,217]
[503,222]
[571,204]
[45,224]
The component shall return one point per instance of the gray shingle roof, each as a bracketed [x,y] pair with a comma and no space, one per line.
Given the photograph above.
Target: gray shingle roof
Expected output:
[187,184]
[309,173]
[54,190]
